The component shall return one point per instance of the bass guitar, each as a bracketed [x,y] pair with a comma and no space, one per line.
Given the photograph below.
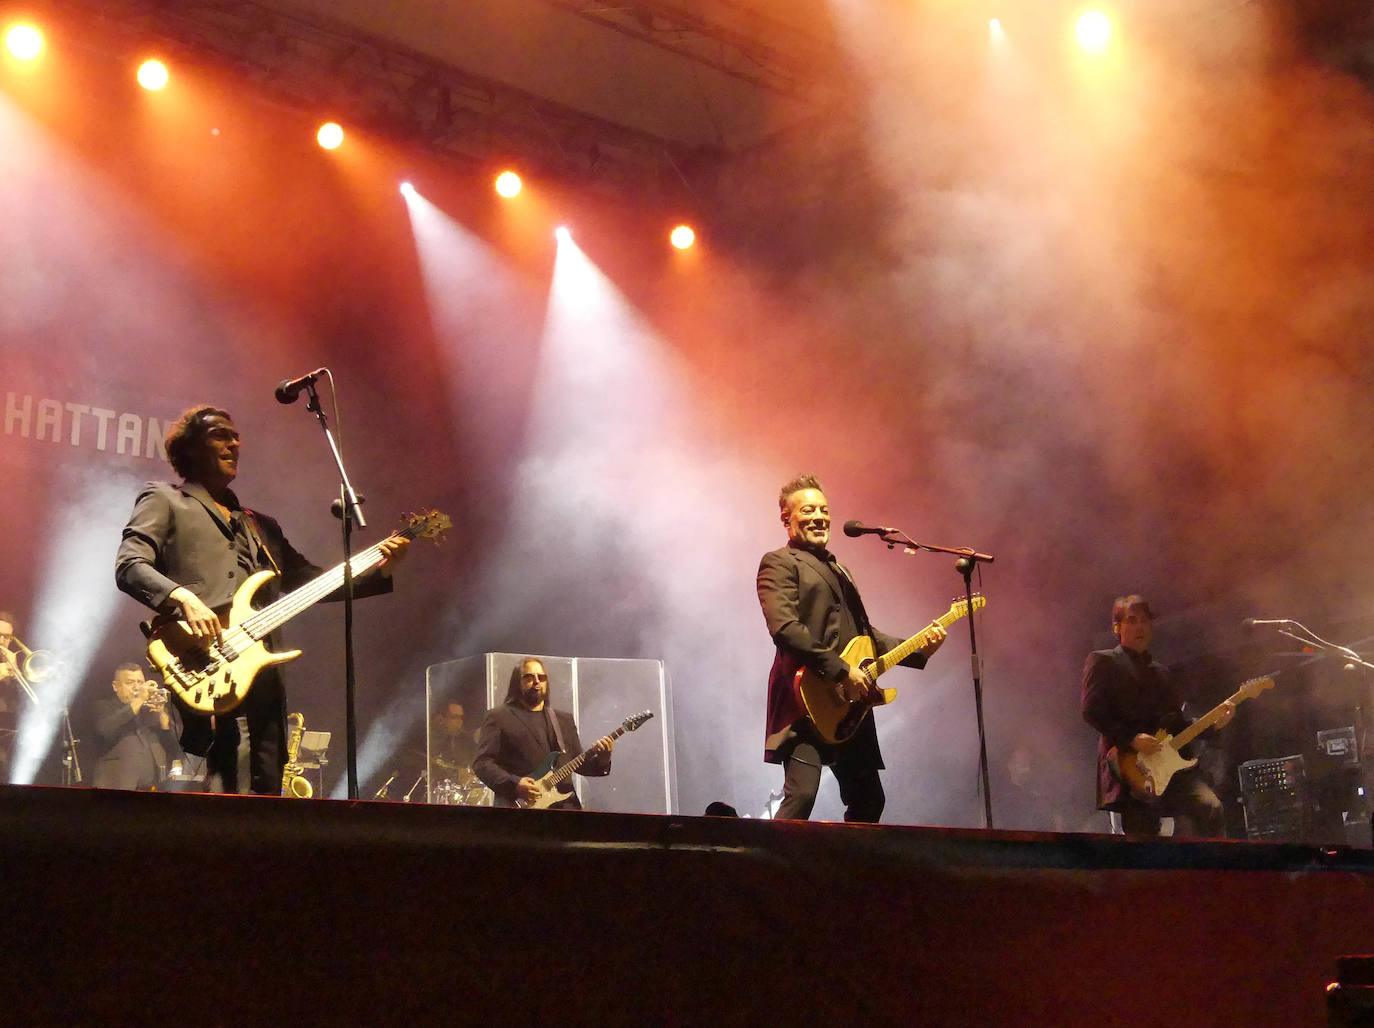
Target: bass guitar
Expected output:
[1147,775]
[547,779]
[214,677]
[837,718]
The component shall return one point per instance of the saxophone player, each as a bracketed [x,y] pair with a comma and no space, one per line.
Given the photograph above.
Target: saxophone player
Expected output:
[137,729]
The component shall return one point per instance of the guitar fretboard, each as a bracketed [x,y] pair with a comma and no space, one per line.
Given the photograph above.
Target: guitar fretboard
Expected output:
[895,656]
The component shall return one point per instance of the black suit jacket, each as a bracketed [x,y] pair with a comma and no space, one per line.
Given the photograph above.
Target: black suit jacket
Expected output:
[812,614]
[177,536]
[1122,697]
[135,750]
[507,751]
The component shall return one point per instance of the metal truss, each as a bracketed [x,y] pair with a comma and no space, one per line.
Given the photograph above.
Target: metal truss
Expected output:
[737,41]
[403,95]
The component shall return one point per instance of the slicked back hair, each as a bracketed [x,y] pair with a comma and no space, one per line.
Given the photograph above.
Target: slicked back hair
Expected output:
[1123,605]
[797,485]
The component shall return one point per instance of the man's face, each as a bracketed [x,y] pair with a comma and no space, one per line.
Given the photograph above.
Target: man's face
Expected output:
[451,720]
[128,685]
[1134,629]
[534,684]
[218,462]
[807,519]
[6,634]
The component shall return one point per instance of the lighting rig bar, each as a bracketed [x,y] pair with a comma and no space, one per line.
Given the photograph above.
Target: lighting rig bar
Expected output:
[404,95]
[737,41]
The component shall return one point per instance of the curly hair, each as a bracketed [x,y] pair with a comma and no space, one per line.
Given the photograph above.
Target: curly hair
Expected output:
[797,485]
[186,436]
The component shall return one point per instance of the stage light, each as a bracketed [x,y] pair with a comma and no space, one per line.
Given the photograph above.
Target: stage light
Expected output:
[152,75]
[330,135]
[1093,30]
[407,189]
[508,184]
[562,234]
[24,42]
[682,237]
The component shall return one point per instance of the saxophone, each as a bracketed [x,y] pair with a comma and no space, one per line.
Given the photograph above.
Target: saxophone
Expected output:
[293,783]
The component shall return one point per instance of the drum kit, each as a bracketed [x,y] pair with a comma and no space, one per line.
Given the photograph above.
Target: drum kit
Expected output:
[459,788]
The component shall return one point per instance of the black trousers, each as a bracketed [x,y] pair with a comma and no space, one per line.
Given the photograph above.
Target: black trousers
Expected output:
[264,708]
[1189,797]
[855,770]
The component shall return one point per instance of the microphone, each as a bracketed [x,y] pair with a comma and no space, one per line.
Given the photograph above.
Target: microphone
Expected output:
[1252,622]
[854,529]
[289,389]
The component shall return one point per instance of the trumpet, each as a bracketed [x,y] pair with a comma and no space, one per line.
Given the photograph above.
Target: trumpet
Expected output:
[155,697]
[37,666]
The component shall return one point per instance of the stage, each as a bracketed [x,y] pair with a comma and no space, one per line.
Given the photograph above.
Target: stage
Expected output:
[153,908]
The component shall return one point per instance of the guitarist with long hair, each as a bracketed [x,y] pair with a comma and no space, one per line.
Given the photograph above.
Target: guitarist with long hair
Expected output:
[186,550]
[1128,698]
[525,730]
[813,612]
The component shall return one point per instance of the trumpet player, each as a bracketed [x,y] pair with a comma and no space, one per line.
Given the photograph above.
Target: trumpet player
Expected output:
[137,729]
[10,698]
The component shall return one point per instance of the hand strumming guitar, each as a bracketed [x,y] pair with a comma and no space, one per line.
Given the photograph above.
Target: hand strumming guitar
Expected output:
[201,621]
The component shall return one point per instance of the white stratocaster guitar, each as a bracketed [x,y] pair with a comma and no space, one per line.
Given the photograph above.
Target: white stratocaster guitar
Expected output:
[548,780]
[1147,775]
[214,678]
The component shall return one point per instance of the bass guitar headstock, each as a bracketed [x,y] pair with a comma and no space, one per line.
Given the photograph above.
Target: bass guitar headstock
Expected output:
[428,524]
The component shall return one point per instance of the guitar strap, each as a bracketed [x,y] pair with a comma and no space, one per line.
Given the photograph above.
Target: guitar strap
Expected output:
[250,520]
[553,723]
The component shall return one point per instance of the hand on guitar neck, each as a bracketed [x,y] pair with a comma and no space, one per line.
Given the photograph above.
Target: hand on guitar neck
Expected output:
[1148,744]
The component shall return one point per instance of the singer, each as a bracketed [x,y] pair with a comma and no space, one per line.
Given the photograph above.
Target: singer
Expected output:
[187,548]
[1127,697]
[813,610]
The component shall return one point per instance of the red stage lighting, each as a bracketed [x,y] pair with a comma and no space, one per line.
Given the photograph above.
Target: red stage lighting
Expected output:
[508,184]
[330,135]
[682,237]
[23,41]
[152,74]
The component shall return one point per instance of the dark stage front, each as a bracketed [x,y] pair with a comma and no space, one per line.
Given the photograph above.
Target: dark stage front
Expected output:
[159,909]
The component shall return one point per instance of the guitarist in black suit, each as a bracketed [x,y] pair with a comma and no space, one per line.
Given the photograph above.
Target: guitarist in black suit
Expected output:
[813,611]
[186,550]
[516,736]
[1127,698]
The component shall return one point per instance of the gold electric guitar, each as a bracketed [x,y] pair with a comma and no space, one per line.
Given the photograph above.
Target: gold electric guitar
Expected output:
[213,678]
[1147,775]
[836,718]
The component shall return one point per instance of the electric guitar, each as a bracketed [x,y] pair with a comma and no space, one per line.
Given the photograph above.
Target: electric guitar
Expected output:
[214,677]
[1147,775]
[837,718]
[548,780]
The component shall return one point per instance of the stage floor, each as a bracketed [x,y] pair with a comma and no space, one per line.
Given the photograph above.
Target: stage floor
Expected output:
[147,908]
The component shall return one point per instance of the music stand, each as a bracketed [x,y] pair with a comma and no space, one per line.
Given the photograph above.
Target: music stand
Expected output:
[313,755]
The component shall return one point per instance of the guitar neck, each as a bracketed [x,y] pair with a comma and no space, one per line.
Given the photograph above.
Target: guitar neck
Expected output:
[276,614]
[568,769]
[1208,719]
[895,656]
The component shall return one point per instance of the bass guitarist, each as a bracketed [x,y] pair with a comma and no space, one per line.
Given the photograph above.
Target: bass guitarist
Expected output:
[1127,698]
[813,610]
[187,548]
[523,731]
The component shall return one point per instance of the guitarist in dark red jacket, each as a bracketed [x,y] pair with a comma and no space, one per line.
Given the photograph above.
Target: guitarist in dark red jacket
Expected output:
[187,548]
[813,611]
[1127,698]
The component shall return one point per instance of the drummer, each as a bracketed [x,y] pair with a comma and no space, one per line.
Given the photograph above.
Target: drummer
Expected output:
[451,748]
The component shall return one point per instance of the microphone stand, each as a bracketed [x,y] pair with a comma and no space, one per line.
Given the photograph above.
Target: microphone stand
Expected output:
[348,509]
[969,559]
